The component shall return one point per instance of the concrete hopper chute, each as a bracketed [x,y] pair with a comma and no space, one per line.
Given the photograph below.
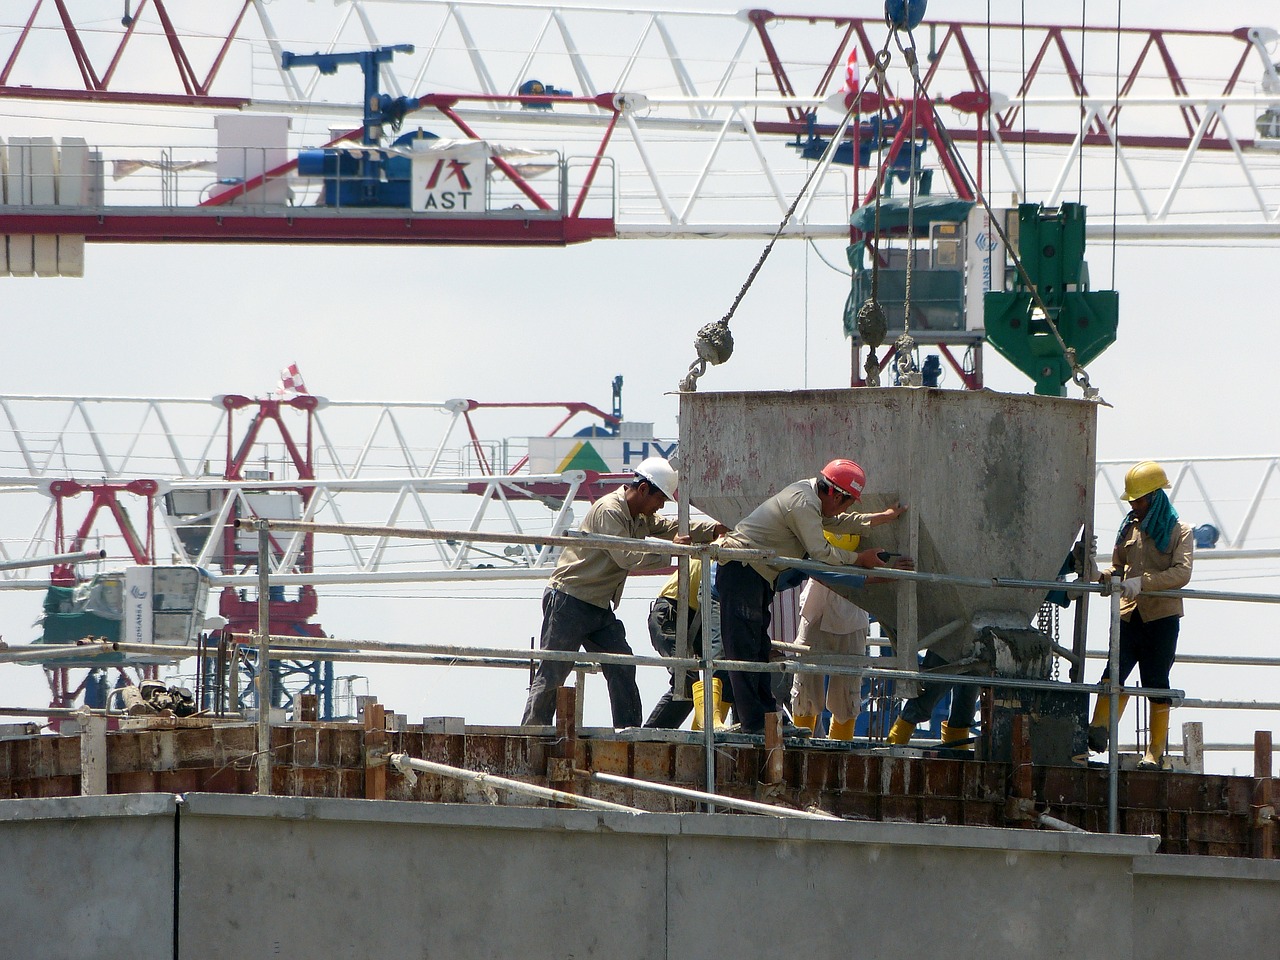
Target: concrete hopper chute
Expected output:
[997,485]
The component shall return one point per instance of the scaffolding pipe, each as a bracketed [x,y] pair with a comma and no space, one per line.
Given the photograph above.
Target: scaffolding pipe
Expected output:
[1054,823]
[750,806]
[408,765]
[1113,720]
[50,561]
[716,552]
[264,659]
[450,654]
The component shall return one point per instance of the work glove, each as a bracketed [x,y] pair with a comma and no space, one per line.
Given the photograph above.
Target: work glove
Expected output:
[1130,588]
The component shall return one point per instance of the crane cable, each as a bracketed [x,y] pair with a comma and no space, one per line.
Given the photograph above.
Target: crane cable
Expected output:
[872,323]
[1078,375]
[904,347]
[714,341]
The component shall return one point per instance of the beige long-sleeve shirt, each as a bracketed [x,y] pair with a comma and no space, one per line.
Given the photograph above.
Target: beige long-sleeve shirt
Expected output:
[791,524]
[597,576]
[1138,556]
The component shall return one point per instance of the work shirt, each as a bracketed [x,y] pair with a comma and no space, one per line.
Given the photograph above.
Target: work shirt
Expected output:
[791,524]
[671,589]
[830,612]
[595,575]
[1138,556]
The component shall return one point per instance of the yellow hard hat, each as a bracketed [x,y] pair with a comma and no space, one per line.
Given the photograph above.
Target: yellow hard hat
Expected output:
[845,541]
[1143,478]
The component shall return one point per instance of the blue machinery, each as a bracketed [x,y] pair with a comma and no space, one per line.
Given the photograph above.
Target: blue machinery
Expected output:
[369,177]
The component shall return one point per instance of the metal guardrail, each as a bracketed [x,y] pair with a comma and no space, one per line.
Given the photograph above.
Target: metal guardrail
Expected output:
[386,652]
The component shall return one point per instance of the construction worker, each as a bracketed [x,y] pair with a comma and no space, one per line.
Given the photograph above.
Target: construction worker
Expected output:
[1153,551]
[830,624]
[670,712]
[789,524]
[960,715]
[586,586]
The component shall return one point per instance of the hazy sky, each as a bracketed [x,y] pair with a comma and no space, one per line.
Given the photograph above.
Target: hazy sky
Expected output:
[1191,374]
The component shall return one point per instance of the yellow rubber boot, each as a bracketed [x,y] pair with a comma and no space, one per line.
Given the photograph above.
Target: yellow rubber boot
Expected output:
[722,710]
[841,730]
[951,734]
[1154,758]
[716,706]
[1099,725]
[900,733]
[805,721]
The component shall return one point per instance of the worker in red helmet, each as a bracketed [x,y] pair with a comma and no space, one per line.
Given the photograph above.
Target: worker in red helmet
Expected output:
[792,523]
[586,586]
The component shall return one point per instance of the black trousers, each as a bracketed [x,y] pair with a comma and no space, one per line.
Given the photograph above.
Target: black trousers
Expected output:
[570,624]
[964,698]
[745,598]
[669,712]
[1152,646]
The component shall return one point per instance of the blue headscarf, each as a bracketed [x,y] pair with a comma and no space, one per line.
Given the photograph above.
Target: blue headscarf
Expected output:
[1158,524]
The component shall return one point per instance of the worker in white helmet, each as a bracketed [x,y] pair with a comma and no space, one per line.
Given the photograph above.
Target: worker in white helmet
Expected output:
[1153,551]
[586,586]
[789,524]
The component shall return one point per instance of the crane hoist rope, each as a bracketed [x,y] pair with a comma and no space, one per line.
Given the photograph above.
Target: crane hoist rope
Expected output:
[904,347]
[714,341]
[872,323]
[1078,375]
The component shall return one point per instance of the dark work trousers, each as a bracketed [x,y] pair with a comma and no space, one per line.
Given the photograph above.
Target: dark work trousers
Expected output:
[745,597]
[1152,646]
[964,698]
[571,624]
[669,712]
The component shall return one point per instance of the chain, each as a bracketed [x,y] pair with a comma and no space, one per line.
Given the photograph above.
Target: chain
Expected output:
[1047,623]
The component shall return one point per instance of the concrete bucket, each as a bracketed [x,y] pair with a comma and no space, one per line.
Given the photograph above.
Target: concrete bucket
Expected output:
[997,485]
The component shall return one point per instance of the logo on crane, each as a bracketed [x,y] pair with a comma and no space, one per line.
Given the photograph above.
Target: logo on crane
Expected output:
[444,179]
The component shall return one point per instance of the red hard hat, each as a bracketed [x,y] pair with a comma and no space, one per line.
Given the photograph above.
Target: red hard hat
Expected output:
[846,476]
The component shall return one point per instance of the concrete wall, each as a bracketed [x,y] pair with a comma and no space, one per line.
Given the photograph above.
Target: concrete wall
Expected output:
[320,878]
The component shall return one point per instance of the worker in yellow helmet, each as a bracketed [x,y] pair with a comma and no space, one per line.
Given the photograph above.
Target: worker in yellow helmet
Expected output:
[1153,551]
[671,711]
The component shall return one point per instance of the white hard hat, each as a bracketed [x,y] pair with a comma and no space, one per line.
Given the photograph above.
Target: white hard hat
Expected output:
[660,474]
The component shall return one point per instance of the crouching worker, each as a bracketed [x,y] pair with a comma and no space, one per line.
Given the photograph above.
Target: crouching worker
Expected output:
[586,586]
[830,624]
[960,716]
[670,712]
[1153,551]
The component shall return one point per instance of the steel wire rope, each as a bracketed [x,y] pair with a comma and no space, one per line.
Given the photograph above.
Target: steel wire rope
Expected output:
[872,325]
[836,267]
[1115,148]
[1078,375]
[714,342]
[1084,6]
[907,371]
[1025,89]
